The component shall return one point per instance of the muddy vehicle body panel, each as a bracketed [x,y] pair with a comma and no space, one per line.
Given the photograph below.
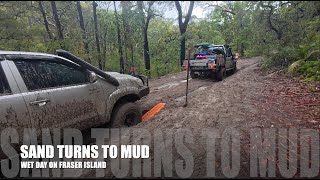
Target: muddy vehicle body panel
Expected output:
[13,109]
[49,91]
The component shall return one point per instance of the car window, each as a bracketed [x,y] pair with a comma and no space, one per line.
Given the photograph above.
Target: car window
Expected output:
[228,52]
[41,74]
[4,86]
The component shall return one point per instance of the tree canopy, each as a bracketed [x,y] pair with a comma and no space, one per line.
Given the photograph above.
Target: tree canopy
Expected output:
[139,34]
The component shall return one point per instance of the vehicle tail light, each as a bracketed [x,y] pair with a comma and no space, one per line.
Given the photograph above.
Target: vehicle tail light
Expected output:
[211,66]
[185,67]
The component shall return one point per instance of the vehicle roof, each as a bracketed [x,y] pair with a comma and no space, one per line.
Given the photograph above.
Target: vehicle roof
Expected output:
[218,45]
[205,45]
[28,55]
[25,53]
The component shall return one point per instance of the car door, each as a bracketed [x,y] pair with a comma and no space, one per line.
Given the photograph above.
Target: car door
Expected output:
[13,109]
[58,93]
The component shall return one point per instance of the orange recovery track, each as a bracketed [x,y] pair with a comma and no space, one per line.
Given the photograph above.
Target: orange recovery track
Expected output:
[153,111]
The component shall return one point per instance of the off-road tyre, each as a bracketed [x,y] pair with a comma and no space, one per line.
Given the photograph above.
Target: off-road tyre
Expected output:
[221,74]
[126,115]
[193,75]
[234,70]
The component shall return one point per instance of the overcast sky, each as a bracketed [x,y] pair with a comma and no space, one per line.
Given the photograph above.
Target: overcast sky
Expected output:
[168,12]
[198,10]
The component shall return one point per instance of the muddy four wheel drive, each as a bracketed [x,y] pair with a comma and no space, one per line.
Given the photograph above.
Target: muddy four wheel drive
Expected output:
[212,60]
[48,91]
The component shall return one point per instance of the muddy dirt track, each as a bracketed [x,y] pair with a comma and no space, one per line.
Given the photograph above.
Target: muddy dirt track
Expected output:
[245,100]
[171,89]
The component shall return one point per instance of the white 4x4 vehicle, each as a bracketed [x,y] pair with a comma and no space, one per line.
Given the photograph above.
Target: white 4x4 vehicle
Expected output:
[40,90]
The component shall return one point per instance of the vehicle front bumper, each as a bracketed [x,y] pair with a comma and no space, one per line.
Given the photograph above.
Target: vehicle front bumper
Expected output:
[144,79]
[145,90]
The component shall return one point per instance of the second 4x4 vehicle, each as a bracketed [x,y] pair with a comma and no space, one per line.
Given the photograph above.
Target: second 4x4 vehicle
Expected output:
[40,90]
[212,60]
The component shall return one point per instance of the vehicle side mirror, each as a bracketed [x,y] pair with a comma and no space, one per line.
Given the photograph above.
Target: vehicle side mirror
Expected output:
[93,77]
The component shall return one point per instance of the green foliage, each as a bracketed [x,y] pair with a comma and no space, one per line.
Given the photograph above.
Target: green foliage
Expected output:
[294,67]
[249,53]
[159,69]
[266,64]
[292,34]
[314,55]
[310,71]
[283,57]
[297,23]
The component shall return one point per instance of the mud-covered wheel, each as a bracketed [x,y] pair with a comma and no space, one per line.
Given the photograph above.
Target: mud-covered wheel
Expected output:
[193,75]
[126,115]
[212,75]
[221,74]
[234,70]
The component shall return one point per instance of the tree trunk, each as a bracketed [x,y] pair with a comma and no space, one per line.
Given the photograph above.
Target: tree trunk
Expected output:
[127,66]
[271,26]
[144,25]
[183,28]
[56,19]
[132,54]
[119,39]
[104,51]
[126,27]
[83,31]
[96,33]
[241,49]
[146,51]
[182,49]
[278,32]
[45,20]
